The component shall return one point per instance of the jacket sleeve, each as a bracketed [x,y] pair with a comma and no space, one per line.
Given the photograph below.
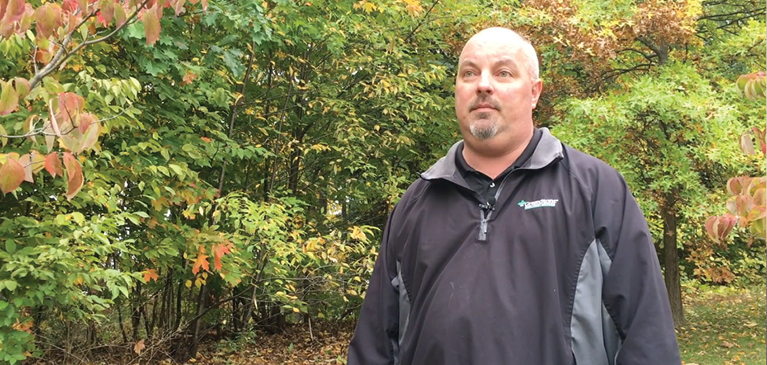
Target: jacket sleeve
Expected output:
[375,339]
[634,292]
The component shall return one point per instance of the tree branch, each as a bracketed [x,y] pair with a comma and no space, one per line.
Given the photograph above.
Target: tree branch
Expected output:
[412,32]
[234,114]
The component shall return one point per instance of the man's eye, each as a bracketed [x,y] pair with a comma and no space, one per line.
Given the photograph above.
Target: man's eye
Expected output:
[504,74]
[468,73]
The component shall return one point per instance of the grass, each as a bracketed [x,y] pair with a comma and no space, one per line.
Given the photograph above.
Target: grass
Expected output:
[725,325]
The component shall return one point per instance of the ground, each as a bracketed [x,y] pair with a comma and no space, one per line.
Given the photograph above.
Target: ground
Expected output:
[725,326]
[326,343]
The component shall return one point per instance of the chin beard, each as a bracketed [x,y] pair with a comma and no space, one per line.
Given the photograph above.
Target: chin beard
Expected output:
[485,131]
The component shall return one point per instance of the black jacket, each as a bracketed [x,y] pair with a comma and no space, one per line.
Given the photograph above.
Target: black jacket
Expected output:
[560,270]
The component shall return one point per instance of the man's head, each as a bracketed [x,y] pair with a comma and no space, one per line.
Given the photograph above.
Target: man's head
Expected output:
[497,86]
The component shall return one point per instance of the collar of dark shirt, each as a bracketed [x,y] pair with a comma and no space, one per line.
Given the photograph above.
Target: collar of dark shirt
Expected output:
[472,176]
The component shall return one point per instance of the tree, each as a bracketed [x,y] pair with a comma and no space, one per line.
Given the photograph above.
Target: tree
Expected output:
[255,147]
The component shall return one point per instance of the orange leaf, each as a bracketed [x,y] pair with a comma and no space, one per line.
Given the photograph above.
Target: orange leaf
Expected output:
[11,175]
[151,26]
[53,165]
[219,251]
[139,346]
[150,274]
[9,99]
[107,10]
[47,19]
[120,16]
[74,175]
[26,163]
[202,261]
[38,161]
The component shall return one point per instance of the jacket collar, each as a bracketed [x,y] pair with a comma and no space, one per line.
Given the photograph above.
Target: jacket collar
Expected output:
[549,150]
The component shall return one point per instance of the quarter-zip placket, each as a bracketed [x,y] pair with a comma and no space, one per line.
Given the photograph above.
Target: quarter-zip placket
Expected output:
[487,209]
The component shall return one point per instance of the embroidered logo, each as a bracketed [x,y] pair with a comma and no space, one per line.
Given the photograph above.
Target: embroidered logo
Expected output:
[538,203]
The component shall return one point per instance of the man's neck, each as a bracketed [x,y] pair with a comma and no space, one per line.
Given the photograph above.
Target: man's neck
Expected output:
[493,164]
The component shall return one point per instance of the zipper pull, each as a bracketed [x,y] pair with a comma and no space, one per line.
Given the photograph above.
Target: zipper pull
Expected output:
[483,229]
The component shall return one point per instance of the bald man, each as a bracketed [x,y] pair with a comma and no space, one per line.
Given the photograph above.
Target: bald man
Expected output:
[514,248]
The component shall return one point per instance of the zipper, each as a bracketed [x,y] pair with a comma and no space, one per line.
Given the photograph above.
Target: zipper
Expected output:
[486,209]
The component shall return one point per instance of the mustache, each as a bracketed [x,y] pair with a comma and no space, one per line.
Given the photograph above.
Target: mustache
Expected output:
[484,100]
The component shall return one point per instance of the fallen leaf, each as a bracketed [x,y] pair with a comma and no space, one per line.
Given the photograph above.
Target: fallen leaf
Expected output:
[139,346]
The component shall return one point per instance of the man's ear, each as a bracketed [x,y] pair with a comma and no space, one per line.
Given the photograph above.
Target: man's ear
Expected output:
[536,90]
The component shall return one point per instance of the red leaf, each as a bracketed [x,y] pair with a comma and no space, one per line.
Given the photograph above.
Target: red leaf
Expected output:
[70,6]
[70,105]
[90,136]
[150,274]
[9,99]
[735,185]
[11,11]
[11,175]
[711,226]
[179,6]
[53,165]
[151,26]
[74,175]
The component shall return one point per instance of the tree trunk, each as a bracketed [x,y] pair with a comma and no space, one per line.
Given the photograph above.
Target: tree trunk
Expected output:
[671,261]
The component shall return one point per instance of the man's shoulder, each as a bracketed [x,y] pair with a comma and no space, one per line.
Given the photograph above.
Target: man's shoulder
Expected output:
[590,170]
[413,192]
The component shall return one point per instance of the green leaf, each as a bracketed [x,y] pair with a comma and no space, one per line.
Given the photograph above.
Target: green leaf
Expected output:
[10,285]
[178,170]
[232,59]
[10,246]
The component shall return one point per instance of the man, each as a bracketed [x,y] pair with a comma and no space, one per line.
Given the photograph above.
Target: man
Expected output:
[513,248]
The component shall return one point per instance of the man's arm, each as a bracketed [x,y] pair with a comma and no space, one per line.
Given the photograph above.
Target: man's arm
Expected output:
[375,339]
[634,292]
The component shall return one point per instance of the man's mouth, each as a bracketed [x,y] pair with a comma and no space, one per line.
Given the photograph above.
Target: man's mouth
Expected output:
[485,105]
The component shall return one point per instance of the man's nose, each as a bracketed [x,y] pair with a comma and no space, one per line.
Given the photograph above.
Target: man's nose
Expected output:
[485,84]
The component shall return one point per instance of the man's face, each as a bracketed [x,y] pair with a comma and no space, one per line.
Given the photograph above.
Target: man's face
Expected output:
[494,92]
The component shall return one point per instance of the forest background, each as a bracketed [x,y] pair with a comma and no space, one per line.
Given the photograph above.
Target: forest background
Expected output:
[176,171]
